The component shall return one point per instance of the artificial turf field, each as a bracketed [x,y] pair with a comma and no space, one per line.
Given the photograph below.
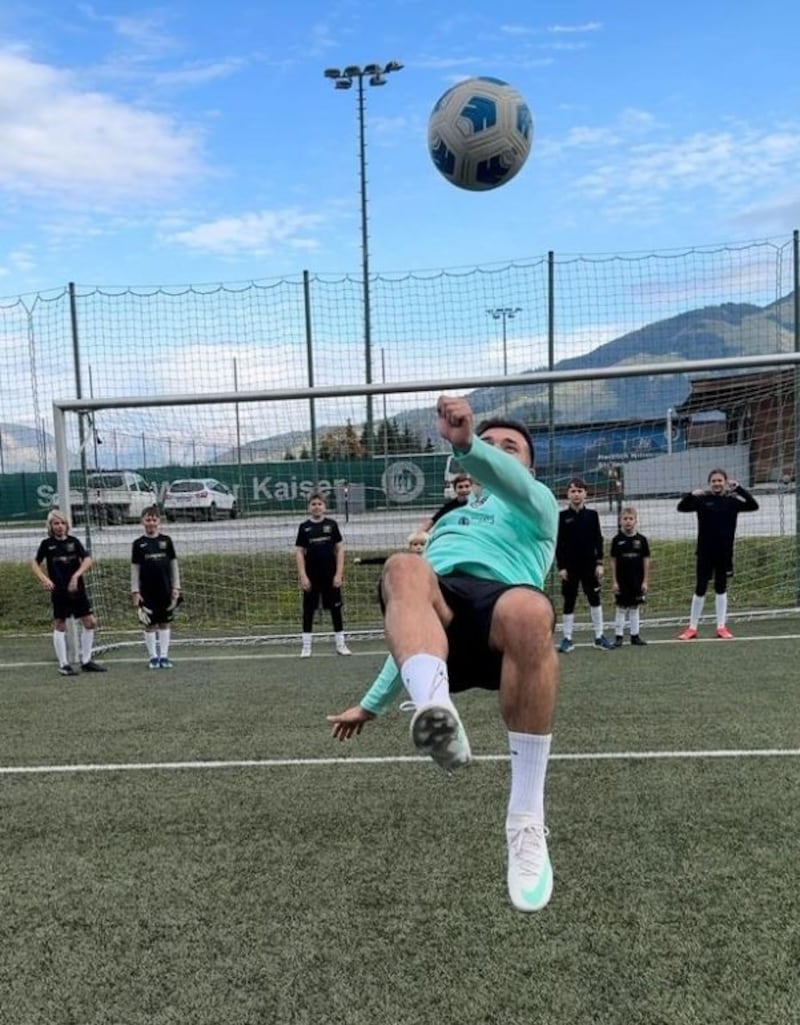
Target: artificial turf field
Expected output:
[191,846]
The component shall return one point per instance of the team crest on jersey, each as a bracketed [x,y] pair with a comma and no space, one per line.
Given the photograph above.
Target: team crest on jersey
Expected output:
[162,545]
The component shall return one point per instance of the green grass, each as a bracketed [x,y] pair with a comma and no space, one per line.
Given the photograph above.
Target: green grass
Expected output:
[360,893]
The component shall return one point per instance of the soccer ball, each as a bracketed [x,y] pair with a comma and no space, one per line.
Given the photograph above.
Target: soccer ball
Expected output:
[480,133]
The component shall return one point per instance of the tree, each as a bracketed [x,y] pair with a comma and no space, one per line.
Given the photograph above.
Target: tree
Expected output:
[341,443]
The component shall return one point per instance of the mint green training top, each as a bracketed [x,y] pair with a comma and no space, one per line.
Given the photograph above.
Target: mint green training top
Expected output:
[507,534]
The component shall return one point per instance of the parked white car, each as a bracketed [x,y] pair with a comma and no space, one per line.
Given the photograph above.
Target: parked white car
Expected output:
[114,496]
[199,499]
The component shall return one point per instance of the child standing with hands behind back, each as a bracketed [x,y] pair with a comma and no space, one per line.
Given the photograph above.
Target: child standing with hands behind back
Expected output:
[630,565]
[155,587]
[319,554]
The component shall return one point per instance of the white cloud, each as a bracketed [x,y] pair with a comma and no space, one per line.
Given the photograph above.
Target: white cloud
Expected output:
[255,234]
[145,33]
[517,30]
[638,166]
[587,26]
[778,212]
[61,139]
[446,63]
[199,73]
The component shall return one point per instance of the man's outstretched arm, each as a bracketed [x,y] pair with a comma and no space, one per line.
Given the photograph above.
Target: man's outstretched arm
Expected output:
[381,695]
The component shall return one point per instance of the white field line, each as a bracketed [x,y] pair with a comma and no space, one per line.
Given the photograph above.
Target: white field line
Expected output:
[269,763]
[328,652]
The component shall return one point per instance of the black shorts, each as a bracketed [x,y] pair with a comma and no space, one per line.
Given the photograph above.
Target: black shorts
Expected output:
[324,594]
[470,660]
[70,603]
[158,601]
[160,614]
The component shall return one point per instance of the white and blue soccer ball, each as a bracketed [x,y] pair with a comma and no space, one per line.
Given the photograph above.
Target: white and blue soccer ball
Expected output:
[480,133]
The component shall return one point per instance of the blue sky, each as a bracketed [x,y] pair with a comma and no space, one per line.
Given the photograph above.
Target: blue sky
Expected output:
[199,142]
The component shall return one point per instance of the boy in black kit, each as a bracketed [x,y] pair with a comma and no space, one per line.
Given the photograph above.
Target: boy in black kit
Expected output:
[66,561]
[462,487]
[155,587]
[630,564]
[717,507]
[579,560]
[319,552]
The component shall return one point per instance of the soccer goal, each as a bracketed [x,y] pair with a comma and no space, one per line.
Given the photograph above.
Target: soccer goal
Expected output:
[239,573]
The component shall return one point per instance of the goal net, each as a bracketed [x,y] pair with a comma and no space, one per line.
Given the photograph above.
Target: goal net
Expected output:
[238,564]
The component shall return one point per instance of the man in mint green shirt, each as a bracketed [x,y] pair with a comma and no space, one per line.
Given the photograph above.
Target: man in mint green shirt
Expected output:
[472,613]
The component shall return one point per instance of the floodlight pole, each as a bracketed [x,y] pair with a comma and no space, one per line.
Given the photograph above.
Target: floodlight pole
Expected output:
[504,313]
[375,74]
[362,169]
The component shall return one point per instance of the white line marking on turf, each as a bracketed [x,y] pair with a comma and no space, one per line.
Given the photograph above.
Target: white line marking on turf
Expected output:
[293,656]
[267,763]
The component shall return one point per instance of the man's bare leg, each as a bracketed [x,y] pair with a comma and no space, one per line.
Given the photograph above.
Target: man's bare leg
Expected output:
[522,628]
[415,620]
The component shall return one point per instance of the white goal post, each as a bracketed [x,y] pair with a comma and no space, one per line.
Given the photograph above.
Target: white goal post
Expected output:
[557,394]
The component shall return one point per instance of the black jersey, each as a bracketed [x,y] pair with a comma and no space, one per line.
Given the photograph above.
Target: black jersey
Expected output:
[716,518]
[454,503]
[580,540]
[630,551]
[63,556]
[155,557]
[319,539]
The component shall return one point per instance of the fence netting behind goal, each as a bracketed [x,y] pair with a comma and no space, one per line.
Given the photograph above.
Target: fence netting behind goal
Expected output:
[374,450]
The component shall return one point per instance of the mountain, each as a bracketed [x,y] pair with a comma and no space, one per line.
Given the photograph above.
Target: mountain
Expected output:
[713,332]
[725,330]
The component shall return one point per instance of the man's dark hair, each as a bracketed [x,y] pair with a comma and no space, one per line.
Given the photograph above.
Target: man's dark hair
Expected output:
[512,425]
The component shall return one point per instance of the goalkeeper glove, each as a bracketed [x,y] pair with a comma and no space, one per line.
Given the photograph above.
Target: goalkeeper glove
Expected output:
[145,615]
[176,601]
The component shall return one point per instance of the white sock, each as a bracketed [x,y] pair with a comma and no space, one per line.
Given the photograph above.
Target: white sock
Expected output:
[721,608]
[619,623]
[339,638]
[151,643]
[87,643]
[60,645]
[307,641]
[425,678]
[597,619]
[529,756]
[696,612]
[635,621]
[164,636]
[568,625]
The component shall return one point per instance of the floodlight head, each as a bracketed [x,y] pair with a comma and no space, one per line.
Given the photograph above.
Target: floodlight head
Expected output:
[377,80]
[392,66]
[332,73]
[352,71]
[372,69]
[343,83]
